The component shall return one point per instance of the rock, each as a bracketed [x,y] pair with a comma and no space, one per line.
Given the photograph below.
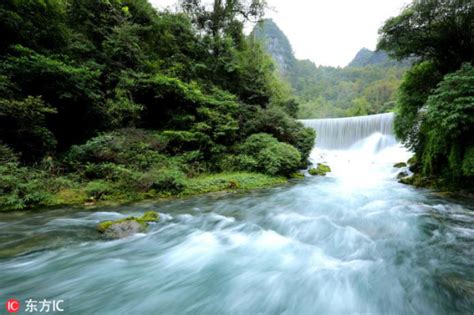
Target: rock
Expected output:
[412,160]
[124,229]
[417,181]
[320,170]
[402,174]
[128,226]
[406,180]
[400,165]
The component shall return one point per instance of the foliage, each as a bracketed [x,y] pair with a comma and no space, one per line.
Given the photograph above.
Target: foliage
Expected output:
[166,180]
[449,125]
[320,170]
[436,30]
[21,188]
[435,103]
[113,100]
[23,126]
[276,122]
[415,89]
[263,153]
[230,181]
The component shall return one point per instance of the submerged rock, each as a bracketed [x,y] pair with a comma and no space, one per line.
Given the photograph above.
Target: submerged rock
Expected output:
[400,165]
[320,170]
[128,226]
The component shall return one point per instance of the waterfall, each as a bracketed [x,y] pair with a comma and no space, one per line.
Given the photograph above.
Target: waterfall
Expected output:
[345,133]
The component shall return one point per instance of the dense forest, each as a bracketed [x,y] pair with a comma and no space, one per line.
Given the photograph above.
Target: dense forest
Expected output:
[435,103]
[367,85]
[113,100]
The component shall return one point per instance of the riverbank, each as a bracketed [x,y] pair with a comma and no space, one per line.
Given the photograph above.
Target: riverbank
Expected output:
[104,193]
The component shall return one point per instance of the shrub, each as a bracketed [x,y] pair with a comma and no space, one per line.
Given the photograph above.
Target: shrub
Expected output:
[263,153]
[98,189]
[164,180]
[22,187]
[135,148]
[468,162]
[7,155]
[276,122]
[23,126]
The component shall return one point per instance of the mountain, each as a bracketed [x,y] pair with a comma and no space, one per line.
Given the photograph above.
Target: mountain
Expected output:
[276,44]
[366,57]
[366,86]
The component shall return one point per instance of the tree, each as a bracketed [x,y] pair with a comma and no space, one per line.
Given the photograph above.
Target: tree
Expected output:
[436,30]
[449,124]
[435,102]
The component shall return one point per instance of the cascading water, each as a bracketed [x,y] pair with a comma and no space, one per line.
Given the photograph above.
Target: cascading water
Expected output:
[343,133]
[358,147]
[354,242]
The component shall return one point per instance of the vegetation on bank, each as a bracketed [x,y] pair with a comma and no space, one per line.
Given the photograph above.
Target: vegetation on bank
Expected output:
[435,105]
[111,100]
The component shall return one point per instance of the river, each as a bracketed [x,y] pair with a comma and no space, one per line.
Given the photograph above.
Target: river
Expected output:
[354,242]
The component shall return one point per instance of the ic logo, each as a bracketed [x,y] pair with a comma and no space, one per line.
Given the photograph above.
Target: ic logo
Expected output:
[13,306]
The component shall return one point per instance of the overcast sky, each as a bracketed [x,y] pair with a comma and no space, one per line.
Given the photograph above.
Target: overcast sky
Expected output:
[328,32]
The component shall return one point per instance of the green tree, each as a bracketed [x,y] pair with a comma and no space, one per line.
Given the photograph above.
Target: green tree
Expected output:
[435,120]
[435,30]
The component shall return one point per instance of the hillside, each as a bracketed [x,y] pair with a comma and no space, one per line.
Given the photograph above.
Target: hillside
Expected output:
[366,86]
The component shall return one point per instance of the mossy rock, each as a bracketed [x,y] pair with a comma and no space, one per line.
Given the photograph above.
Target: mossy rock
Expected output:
[127,226]
[412,160]
[320,170]
[400,165]
[418,181]
[402,174]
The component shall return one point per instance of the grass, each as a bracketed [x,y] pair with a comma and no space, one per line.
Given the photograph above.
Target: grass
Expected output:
[93,193]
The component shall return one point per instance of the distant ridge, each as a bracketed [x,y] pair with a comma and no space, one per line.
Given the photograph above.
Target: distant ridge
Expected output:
[366,57]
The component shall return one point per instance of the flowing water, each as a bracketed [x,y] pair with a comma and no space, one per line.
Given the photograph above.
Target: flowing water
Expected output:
[354,242]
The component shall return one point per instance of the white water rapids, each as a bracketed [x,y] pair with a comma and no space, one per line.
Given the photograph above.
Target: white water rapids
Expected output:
[354,242]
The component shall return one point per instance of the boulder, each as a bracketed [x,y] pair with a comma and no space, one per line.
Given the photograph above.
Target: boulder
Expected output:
[127,226]
[402,174]
[400,165]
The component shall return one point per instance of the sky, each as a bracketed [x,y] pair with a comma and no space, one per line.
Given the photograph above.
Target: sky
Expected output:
[327,32]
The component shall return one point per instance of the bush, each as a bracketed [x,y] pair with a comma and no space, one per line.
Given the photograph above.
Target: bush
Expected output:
[165,180]
[7,155]
[276,122]
[23,126]
[263,153]
[279,159]
[98,189]
[22,187]
[468,162]
[134,148]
